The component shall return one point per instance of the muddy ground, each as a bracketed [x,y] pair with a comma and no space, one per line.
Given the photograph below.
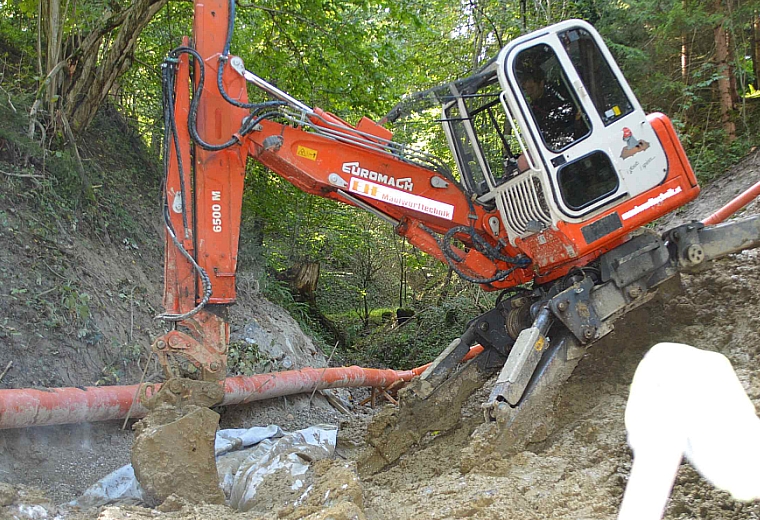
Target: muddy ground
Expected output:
[578,472]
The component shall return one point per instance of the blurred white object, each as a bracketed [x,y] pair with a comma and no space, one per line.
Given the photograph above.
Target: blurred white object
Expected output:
[688,402]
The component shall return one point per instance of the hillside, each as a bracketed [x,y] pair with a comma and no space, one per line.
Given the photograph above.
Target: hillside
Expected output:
[81,281]
[80,286]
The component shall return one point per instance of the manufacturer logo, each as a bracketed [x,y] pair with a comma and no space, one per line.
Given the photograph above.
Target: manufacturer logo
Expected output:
[672,192]
[401,198]
[353,168]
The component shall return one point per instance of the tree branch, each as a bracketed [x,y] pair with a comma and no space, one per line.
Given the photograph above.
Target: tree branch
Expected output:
[22,175]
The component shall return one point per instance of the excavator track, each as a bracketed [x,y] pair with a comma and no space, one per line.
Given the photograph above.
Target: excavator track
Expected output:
[507,429]
[422,410]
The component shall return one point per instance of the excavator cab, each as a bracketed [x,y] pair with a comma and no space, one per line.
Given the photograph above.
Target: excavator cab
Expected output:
[550,131]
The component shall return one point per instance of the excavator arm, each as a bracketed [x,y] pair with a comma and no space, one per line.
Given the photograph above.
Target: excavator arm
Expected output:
[211,134]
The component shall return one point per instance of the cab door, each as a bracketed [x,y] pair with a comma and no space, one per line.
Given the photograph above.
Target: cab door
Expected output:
[591,136]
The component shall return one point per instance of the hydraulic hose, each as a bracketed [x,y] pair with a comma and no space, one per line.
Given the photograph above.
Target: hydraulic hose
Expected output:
[452,259]
[171,141]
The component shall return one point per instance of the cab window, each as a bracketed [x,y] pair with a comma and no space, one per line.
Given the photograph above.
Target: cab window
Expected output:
[587,180]
[600,82]
[560,118]
[472,173]
[493,131]
[492,135]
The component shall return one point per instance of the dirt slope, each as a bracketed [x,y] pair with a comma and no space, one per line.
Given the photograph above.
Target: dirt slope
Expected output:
[580,471]
[79,291]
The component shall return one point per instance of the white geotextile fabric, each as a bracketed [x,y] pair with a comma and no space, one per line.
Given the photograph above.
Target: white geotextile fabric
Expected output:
[243,457]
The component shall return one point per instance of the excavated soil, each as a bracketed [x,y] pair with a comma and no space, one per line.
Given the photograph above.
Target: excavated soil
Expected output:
[579,470]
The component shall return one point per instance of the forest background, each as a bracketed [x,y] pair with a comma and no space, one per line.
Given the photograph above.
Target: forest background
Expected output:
[65,63]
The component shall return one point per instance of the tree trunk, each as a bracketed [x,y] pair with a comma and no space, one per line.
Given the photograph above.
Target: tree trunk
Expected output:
[724,82]
[94,71]
[685,53]
[733,82]
[52,22]
[366,316]
[306,276]
[402,266]
[685,50]
[477,45]
[756,47]
[84,179]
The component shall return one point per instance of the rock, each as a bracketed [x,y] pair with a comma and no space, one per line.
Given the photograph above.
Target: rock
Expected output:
[7,494]
[172,503]
[177,456]
[277,336]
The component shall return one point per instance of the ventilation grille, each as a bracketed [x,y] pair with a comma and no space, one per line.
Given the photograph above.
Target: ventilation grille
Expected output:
[527,211]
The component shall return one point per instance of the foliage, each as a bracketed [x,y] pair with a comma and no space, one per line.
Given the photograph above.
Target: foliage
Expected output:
[418,341]
[716,154]
[279,293]
[245,359]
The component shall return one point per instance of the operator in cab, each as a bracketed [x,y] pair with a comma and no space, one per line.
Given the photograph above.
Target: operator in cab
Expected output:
[557,115]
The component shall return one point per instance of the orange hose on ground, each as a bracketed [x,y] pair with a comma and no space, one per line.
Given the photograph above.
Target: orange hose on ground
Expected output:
[24,407]
[733,206]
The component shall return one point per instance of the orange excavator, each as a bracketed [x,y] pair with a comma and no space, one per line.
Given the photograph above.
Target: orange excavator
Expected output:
[556,170]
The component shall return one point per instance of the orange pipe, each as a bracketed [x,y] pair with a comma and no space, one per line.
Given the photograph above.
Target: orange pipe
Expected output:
[24,407]
[733,206]
[28,407]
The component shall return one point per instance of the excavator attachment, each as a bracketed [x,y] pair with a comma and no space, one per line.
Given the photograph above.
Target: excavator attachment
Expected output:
[569,316]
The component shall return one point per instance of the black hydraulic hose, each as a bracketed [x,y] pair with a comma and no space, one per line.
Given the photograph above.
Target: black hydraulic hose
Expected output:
[251,122]
[202,274]
[171,136]
[230,27]
[192,124]
[482,245]
[452,259]
[170,128]
[198,92]
[223,61]
[220,85]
